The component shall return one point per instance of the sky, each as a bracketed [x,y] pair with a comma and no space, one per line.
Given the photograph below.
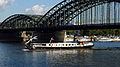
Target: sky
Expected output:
[37,7]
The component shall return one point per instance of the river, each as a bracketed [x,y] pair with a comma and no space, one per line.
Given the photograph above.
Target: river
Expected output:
[103,54]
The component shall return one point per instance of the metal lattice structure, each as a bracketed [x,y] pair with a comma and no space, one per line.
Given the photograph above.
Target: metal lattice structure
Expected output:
[82,12]
[70,13]
[20,21]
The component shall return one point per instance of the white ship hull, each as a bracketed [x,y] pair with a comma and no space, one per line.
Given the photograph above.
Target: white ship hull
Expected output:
[61,45]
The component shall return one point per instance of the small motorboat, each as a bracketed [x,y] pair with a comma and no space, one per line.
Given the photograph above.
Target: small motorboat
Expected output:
[105,39]
[116,39]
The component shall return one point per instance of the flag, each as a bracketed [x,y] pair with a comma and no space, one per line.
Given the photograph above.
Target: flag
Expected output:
[35,37]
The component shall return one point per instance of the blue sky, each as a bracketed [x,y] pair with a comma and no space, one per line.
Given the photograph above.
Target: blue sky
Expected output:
[11,7]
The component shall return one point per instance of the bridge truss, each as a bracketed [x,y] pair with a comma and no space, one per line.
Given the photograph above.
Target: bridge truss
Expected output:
[71,13]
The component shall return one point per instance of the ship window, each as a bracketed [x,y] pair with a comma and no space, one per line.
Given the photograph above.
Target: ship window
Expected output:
[63,44]
[69,44]
[43,44]
[66,44]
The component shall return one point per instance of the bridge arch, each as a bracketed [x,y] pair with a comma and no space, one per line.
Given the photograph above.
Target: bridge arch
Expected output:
[18,21]
[86,12]
[67,10]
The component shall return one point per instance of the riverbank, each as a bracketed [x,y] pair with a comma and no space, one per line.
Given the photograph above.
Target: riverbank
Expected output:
[70,38]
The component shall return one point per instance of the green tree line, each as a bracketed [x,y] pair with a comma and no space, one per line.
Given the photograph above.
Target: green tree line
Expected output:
[102,32]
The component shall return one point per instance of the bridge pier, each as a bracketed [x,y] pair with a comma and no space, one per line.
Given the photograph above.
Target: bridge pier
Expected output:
[8,36]
[45,36]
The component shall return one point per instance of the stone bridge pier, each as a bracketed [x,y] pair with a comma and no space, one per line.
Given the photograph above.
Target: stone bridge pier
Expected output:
[45,36]
[42,36]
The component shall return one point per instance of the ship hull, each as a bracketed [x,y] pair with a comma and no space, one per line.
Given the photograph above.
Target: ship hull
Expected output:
[63,47]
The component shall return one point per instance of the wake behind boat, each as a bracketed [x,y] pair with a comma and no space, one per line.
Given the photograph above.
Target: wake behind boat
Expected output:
[51,45]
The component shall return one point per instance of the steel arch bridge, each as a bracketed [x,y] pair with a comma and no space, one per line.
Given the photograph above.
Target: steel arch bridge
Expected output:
[18,21]
[71,14]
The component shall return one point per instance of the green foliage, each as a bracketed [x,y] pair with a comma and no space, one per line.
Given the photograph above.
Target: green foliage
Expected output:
[70,32]
[30,32]
[103,32]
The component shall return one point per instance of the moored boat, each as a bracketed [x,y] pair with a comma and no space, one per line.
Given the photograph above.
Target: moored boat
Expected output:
[105,39]
[116,39]
[83,39]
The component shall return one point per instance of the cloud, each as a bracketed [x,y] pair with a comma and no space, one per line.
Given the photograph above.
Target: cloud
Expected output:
[5,4]
[28,10]
[37,9]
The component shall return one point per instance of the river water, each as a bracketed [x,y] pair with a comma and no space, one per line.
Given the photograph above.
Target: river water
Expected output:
[103,54]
